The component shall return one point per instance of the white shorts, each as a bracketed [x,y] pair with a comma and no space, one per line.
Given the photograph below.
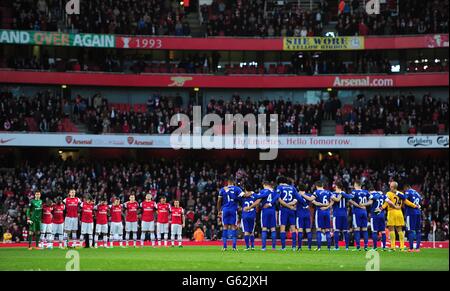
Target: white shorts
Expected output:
[116,228]
[58,228]
[46,228]
[176,229]
[87,228]
[71,223]
[148,226]
[101,228]
[162,227]
[130,226]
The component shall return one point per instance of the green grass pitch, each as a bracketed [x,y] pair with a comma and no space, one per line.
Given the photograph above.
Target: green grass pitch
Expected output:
[213,259]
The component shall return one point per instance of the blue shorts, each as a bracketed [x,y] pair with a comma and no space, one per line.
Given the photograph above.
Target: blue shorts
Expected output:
[360,219]
[304,222]
[378,223]
[340,222]
[287,216]
[268,218]
[229,216]
[413,222]
[248,223]
[323,219]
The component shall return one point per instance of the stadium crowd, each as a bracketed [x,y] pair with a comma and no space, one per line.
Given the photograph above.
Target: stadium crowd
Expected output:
[149,17]
[394,114]
[301,63]
[293,118]
[196,184]
[258,18]
[412,17]
[45,108]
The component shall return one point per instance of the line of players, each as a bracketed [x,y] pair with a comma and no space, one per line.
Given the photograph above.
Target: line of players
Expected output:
[330,214]
[60,220]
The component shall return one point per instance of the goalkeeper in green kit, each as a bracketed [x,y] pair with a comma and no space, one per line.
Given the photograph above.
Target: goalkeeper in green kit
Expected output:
[34,216]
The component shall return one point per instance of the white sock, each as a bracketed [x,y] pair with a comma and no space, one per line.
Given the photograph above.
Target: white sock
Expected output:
[105,240]
[152,238]
[111,240]
[96,239]
[172,238]
[74,238]
[166,236]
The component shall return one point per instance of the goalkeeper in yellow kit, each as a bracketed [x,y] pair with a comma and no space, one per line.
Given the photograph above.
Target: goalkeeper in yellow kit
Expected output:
[395,219]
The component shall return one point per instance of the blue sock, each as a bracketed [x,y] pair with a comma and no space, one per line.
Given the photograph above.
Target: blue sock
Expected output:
[247,241]
[357,239]
[319,239]
[234,238]
[418,238]
[300,239]
[264,239]
[274,239]
[375,239]
[336,239]
[366,238]
[328,236]
[411,239]
[224,238]
[383,239]
[252,240]
[347,239]
[283,240]
[294,240]
[309,236]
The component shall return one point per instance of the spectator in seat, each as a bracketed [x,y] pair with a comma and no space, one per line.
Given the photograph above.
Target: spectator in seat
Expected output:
[199,235]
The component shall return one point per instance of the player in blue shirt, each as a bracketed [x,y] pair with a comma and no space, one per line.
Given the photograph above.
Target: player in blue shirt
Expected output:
[303,216]
[248,217]
[227,204]
[268,199]
[287,194]
[360,220]
[323,216]
[340,215]
[377,216]
[413,217]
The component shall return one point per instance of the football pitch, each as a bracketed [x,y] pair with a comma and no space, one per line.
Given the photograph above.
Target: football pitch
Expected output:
[203,258]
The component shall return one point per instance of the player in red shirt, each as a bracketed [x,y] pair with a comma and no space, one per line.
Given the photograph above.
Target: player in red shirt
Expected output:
[101,220]
[71,220]
[131,217]
[116,229]
[58,221]
[87,220]
[162,218]
[177,223]
[46,225]
[148,219]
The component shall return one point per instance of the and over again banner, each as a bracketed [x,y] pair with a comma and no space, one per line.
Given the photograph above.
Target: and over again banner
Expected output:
[57,39]
[323,43]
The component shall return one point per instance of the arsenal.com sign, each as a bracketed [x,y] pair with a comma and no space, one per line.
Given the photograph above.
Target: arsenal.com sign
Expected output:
[282,142]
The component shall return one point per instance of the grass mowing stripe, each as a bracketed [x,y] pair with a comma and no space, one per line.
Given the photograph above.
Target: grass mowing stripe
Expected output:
[211,258]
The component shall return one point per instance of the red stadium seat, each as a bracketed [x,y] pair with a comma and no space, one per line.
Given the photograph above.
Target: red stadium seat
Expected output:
[412,130]
[441,128]
[339,130]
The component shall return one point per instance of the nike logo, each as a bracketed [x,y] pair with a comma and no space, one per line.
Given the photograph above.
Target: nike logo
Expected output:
[5,140]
